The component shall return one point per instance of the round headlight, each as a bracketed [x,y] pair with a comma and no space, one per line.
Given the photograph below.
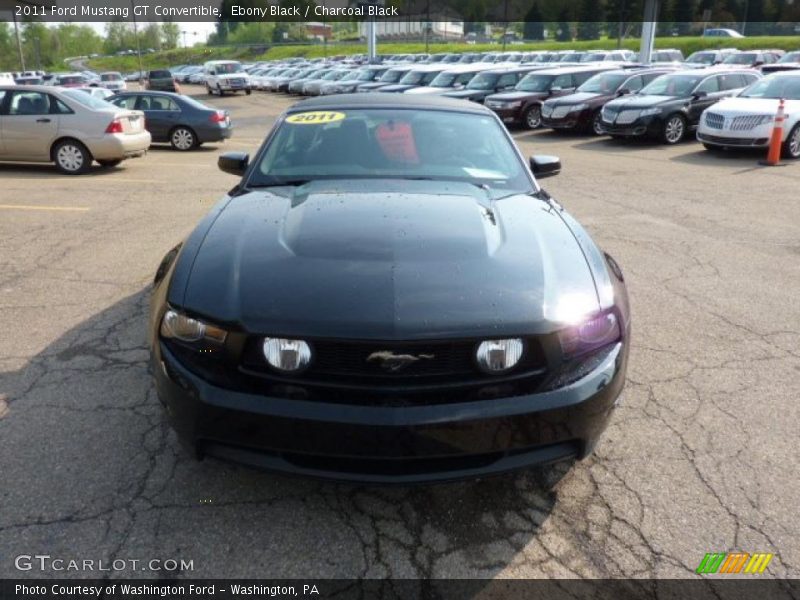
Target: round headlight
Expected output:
[287,355]
[498,356]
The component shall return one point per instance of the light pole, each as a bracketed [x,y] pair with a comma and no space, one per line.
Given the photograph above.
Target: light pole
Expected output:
[138,45]
[184,32]
[19,42]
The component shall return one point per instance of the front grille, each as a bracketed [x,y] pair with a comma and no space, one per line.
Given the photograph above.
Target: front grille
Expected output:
[560,112]
[714,121]
[749,122]
[348,361]
[627,116]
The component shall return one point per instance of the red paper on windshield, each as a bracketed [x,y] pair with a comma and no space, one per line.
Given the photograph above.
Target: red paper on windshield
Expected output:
[397,141]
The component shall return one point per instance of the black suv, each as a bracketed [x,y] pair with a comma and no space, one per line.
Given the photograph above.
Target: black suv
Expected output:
[672,104]
[491,82]
[523,105]
[581,110]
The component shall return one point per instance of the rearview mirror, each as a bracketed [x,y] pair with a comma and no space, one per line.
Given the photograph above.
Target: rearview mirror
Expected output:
[234,163]
[543,165]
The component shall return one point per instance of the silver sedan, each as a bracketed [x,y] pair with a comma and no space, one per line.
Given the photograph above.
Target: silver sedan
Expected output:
[67,127]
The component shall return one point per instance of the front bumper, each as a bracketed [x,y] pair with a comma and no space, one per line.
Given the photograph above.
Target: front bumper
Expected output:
[509,115]
[389,444]
[573,120]
[649,125]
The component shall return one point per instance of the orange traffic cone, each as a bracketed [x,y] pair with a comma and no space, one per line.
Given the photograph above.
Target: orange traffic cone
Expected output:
[776,141]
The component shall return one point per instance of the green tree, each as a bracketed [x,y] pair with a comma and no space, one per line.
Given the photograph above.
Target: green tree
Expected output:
[683,13]
[252,33]
[533,28]
[590,14]
[170,34]
[563,29]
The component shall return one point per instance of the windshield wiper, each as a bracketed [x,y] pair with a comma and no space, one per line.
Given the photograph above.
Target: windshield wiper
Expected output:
[285,183]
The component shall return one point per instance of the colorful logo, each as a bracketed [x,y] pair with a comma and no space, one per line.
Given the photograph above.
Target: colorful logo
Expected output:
[734,562]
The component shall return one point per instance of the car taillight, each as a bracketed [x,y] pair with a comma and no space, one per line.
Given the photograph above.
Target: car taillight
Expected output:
[218,117]
[114,127]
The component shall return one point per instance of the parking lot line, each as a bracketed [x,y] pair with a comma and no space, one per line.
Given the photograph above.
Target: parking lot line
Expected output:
[51,208]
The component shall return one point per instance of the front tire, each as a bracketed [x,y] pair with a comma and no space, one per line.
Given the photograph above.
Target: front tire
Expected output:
[596,126]
[183,139]
[674,130]
[209,90]
[791,147]
[71,157]
[248,92]
[219,91]
[533,117]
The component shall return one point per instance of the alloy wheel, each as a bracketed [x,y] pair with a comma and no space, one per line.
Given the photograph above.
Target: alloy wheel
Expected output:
[597,126]
[794,142]
[533,118]
[673,130]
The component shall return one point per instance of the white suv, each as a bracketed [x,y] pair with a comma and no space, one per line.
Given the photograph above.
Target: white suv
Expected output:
[226,76]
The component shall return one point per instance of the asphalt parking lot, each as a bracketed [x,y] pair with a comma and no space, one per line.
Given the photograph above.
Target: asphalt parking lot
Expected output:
[702,455]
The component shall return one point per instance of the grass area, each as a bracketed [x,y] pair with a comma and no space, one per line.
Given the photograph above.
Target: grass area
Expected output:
[200,54]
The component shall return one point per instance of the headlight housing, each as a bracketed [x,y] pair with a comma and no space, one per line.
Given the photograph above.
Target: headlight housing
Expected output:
[589,335]
[515,104]
[650,111]
[578,107]
[499,356]
[178,326]
[285,355]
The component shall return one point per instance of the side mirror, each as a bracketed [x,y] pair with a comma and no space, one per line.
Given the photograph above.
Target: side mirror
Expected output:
[699,95]
[545,166]
[555,89]
[233,163]
[623,92]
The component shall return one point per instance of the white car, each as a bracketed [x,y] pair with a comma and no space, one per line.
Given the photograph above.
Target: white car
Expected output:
[6,79]
[226,76]
[747,120]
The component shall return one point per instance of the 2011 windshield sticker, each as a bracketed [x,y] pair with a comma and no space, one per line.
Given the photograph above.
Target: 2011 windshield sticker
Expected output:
[319,117]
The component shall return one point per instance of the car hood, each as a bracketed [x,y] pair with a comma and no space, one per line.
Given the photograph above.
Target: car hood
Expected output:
[516,95]
[468,94]
[387,259]
[753,106]
[637,101]
[579,98]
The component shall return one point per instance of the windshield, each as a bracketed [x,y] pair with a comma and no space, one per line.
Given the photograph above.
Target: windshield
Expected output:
[535,83]
[594,57]
[413,78]
[393,144]
[367,74]
[392,75]
[444,80]
[452,58]
[483,81]
[740,59]
[72,80]
[228,68]
[672,85]
[774,87]
[604,83]
[111,77]
[572,57]
[706,58]
[87,99]
[790,58]
[334,75]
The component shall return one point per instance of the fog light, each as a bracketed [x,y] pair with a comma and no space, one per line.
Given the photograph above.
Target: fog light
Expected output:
[498,356]
[287,355]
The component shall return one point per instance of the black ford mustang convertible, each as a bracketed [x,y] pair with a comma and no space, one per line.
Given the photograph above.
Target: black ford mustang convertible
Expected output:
[388,295]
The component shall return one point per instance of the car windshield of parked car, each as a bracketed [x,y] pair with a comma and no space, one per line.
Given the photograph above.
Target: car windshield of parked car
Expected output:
[604,83]
[572,57]
[393,144]
[672,85]
[535,83]
[774,87]
[483,81]
[334,75]
[740,59]
[226,68]
[85,99]
[791,57]
[593,57]
[392,76]
[412,78]
[446,80]
[71,80]
[705,58]
[111,77]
